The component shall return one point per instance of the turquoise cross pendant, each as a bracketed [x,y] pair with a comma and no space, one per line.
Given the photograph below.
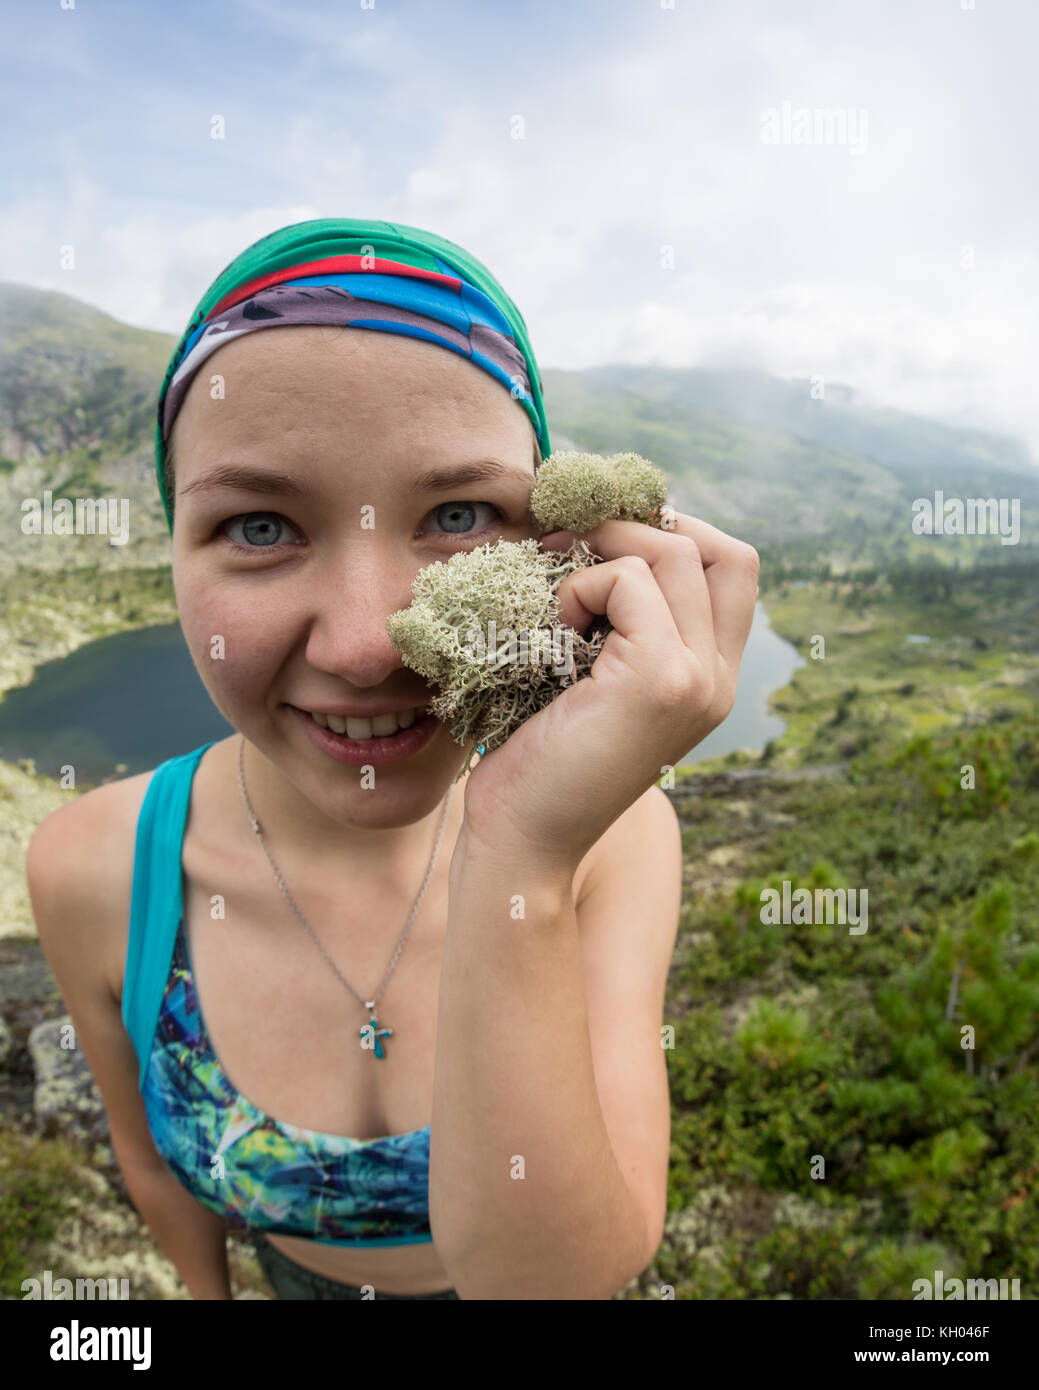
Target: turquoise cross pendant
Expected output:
[372,1028]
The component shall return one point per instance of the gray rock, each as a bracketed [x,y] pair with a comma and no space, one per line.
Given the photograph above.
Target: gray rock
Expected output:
[25,976]
[66,1100]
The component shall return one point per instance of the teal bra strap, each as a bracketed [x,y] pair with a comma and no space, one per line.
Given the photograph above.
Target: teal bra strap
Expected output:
[158,897]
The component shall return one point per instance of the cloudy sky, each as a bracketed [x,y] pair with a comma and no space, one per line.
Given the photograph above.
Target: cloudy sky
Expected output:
[824,188]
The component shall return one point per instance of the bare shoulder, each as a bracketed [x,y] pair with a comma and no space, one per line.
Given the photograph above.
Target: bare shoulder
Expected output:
[645,841]
[79,867]
[88,832]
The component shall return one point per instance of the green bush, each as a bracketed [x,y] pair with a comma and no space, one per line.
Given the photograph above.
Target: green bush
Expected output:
[34,1183]
[906,1058]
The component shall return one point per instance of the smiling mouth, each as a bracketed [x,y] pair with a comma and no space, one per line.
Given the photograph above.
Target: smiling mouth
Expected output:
[381,726]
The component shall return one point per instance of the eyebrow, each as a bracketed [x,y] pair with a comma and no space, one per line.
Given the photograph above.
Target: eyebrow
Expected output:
[245,479]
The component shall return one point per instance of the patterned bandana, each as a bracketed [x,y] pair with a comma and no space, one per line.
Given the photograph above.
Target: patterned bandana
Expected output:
[376,275]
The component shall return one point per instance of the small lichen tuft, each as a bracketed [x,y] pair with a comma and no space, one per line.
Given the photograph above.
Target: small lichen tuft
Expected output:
[576,492]
[643,489]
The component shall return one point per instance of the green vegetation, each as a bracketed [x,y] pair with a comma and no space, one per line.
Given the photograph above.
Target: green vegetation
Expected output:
[35,1179]
[979,664]
[803,1040]
[796,1041]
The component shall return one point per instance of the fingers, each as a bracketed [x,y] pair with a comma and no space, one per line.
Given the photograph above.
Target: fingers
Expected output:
[708,579]
[671,564]
[626,591]
[731,571]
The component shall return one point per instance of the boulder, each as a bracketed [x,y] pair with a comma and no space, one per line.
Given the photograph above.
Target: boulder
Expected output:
[66,1100]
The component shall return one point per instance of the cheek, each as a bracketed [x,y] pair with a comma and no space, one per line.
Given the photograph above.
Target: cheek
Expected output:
[237,647]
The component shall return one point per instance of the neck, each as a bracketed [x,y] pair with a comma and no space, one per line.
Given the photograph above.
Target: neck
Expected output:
[297,831]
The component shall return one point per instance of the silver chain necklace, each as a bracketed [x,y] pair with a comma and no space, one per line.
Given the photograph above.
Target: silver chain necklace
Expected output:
[371,1029]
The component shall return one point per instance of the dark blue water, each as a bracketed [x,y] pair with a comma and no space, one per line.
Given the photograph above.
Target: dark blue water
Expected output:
[126,703]
[768,663]
[114,707]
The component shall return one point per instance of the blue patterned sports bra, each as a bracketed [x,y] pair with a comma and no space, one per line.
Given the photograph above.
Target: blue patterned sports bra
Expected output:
[253,1170]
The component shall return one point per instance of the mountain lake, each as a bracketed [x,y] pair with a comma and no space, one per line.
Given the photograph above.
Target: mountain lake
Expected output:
[124,704]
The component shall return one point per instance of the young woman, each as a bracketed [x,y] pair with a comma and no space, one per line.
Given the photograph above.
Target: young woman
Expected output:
[405,1031]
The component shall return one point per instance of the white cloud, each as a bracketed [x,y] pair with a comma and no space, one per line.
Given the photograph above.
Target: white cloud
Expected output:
[796,260]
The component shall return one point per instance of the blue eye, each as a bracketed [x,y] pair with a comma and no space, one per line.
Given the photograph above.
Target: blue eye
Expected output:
[262,530]
[458,518]
[267,530]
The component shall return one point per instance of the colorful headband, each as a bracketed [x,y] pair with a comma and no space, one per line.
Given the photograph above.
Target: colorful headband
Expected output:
[375,275]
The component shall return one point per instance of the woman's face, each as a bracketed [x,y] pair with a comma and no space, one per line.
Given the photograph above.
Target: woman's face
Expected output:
[283,591]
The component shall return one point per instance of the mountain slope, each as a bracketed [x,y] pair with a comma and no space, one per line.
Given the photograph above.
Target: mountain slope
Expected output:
[743,450]
[894,438]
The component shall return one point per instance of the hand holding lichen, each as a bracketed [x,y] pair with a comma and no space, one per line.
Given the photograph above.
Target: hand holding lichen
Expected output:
[484,629]
[484,626]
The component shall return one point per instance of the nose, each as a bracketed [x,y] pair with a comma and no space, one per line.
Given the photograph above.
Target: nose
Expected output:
[353,598]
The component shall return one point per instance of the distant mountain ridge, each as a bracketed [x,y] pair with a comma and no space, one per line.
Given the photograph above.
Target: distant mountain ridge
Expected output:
[72,376]
[838,420]
[745,451]
[751,451]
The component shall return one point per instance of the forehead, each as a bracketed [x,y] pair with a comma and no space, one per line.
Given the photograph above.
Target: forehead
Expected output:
[315,381]
[356,362]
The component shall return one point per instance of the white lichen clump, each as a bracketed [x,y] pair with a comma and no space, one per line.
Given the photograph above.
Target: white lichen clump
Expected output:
[574,492]
[484,627]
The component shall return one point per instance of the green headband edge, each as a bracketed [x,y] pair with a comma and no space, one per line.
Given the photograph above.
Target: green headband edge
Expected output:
[287,245]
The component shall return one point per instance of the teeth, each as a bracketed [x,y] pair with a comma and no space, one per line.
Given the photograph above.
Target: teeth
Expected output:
[380,727]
